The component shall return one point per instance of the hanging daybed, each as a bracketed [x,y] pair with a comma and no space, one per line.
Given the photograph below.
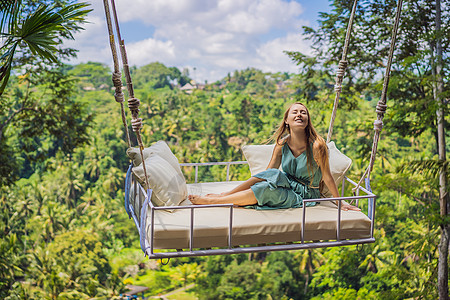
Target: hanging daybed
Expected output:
[189,228]
[156,191]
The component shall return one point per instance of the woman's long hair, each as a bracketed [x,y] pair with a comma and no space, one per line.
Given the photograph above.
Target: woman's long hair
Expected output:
[319,149]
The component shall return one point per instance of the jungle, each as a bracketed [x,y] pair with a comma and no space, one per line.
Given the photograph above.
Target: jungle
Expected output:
[64,233]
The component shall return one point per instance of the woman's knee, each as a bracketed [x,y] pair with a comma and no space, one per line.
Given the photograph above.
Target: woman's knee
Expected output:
[255,179]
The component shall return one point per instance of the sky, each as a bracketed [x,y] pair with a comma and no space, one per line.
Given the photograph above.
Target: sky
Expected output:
[209,37]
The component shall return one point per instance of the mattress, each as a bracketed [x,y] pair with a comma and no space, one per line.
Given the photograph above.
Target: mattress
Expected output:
[250,226]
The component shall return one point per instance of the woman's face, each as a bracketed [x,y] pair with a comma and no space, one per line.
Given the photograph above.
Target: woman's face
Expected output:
[297,117]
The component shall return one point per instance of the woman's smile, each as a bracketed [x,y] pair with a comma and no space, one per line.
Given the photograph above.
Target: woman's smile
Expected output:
[297,115]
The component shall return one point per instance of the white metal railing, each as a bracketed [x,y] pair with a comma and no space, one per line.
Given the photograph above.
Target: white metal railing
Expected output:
[227,163]
[148,246]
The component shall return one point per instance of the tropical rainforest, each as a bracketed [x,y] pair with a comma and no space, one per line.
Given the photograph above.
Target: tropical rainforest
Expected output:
[64,233]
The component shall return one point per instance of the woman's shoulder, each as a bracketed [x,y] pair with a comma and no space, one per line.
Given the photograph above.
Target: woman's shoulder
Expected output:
[279,146]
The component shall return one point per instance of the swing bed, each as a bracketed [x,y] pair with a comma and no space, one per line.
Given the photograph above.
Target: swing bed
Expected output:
[217,229]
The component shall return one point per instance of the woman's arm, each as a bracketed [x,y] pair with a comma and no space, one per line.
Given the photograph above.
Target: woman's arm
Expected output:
[329,181]
[275,161]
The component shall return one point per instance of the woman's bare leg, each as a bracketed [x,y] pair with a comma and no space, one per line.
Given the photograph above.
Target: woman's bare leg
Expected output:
[242,187]
[241,198]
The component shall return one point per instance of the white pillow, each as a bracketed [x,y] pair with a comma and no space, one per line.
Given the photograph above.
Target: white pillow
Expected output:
[169,187]
[159,148]
[339,165]
[258,157]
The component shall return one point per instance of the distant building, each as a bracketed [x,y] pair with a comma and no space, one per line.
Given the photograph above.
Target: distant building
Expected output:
[187,88]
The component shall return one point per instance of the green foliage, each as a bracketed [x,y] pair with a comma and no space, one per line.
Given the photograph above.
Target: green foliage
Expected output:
[282,277]
[68,196]
[64,230]
[40,99]
[59,117]
[349,293]
[92,75]
[240,281]
[9,262]
[81,254]
[41,31]
[156,76]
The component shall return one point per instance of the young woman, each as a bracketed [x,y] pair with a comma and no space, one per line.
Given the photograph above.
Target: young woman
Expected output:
[303,155]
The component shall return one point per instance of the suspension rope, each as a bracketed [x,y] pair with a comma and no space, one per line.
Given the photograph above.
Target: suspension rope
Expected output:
[116,76]
[381,106]
[133,103]
[341,71]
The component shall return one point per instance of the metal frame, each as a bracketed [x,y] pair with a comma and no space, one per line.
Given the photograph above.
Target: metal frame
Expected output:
[227,163]
[148,247]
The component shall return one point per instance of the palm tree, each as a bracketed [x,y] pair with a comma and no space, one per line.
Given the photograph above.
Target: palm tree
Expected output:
[9,262]
[185,272]
[112,180]
[378,257]
[310,260]
[54,219]
[71,184]
[375,260]
[36,31]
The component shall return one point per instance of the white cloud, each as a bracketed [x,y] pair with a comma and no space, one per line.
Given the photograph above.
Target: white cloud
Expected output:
[92,42]
[271,56]
[216,37]
[152,50]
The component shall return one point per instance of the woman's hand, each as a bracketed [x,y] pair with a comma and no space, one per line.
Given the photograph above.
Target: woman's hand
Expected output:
[349,207]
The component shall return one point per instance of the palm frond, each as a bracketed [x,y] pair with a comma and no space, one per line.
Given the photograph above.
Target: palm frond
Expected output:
[5,70]
[9,9]
[42,30]
[428,167]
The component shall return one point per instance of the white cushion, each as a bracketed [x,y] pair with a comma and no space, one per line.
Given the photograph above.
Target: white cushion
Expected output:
[169,187]
[339,165]
[159,148]
[251,226]
[258,157]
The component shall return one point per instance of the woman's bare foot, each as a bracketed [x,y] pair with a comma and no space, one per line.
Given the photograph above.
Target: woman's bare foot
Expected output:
[215,195]
[197,199]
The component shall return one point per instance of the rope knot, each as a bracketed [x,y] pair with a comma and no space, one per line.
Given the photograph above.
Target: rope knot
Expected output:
[118,95]
[136,124]
[341,69]
[338,88]
[117,79]
[133,104]
[378,125]
[340,74]
[381,108]
[343,64]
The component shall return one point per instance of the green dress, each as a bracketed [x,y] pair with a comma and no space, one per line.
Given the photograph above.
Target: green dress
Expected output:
[287,189]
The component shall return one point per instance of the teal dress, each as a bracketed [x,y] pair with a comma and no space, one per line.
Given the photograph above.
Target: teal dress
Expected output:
[288,189]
